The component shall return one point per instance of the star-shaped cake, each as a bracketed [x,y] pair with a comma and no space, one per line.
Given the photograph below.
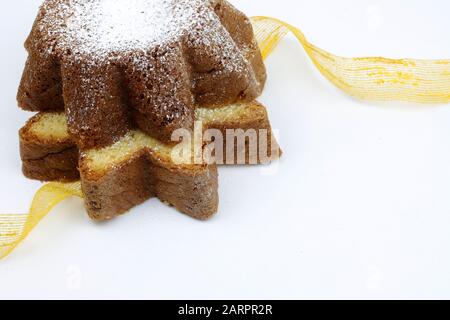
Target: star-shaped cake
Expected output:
[114,81]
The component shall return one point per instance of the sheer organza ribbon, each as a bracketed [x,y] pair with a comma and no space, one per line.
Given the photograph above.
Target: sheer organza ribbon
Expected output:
[14,228]
[368,78]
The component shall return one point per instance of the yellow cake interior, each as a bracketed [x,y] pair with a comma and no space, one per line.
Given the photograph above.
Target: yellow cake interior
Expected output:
[53,126]
[50,126]
[122,150]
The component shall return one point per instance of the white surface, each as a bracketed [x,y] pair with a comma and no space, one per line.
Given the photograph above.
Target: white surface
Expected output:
[358,208]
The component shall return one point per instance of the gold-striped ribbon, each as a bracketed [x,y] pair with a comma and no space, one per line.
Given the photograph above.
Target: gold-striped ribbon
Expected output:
[15,227]
[375,78]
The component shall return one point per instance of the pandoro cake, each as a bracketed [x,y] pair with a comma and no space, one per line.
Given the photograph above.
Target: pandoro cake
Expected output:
[112,80]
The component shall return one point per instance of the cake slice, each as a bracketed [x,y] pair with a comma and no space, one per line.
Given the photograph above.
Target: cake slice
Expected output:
[138,167]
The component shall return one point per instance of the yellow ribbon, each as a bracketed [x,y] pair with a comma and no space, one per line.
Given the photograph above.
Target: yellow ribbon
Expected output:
[422,81]
[375,78]
[15,227]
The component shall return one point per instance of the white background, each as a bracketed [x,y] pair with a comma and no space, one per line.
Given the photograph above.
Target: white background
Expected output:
[359,206]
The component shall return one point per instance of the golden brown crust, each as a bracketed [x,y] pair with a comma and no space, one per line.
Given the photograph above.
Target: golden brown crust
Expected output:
[47,159]
[41,86]
[119,190]
[59,166]
[107,119]
[181,187]
[193,192]
[241,30]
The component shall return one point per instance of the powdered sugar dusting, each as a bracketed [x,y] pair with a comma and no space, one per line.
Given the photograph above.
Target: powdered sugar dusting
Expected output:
[104,29]
[115,25]
[118,25]
[100,27]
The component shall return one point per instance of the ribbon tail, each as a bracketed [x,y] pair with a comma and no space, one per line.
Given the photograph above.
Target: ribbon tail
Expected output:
[14,228]
[368,78]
